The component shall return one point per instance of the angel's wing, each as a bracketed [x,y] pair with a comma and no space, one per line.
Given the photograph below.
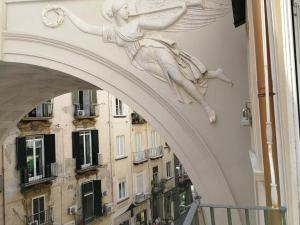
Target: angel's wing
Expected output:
[199,13]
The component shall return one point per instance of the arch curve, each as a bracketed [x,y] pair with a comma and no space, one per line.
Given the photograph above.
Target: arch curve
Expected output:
[79,64]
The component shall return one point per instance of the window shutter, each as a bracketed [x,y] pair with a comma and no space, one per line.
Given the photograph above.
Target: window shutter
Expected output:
[76,150]
[93,94]
[97,198]
[83,190]
[49,146]
[94,97]
[95,146]
[75,98]
[21,152]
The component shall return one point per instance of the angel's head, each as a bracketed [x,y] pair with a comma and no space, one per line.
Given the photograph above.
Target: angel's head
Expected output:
[117,9]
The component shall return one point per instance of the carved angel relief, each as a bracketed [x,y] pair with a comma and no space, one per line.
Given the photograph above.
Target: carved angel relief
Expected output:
[133,25]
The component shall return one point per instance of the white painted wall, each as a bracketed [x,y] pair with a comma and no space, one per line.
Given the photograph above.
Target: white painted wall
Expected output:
[215,156]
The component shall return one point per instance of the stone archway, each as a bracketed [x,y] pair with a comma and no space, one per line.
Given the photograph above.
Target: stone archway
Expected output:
[216,160]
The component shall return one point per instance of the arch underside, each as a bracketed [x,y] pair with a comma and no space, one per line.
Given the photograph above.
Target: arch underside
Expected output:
[47,68]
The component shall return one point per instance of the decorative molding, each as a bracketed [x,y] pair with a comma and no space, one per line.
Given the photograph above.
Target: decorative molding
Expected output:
[186,75]
[84,123]
[33,127]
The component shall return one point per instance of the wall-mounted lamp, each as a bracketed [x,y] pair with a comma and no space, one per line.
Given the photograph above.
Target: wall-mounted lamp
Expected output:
[246,119]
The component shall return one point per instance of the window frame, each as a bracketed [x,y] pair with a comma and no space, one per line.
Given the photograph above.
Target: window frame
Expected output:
[82,134]
[120,154]
[88,194]
[169,173]
[32,207]
[120,197]
[138,142]
[119,107]
[35,139]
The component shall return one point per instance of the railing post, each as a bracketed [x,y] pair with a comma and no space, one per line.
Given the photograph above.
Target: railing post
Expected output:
[247,217]
[212,216]
[229,216]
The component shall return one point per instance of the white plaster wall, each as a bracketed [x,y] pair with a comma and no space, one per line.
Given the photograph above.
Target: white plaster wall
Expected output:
[216,156]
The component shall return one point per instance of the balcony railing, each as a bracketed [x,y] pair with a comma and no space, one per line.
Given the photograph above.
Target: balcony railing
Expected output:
[41,218]
[41,112]
[141,197]
[158,186]
[156,152]
[85,111]
[249,215]
[50,173]
[140,157]
[137,119]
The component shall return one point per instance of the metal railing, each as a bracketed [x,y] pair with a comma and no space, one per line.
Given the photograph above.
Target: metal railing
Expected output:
[141,156]
[50,173]
[137,119]
[156,152]
[85,110]
[41,218]
[235,215]
[44,110]
[140,197]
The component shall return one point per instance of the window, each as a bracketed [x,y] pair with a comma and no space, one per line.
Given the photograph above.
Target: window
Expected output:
[85,148]
[155,174]
[120,146]
[38,210]
[169,171]
[122,189]
[154,142]
[91,200]
[138,142]
[43,110]
[35,155]
[85,102]
[85,141]
[139,183]
[119,107]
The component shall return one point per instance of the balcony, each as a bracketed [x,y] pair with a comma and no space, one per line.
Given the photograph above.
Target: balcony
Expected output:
[86,169]
[41,218]
[86,111]
[156,152]
[141,197]
[137,119]
[140,157]
[158,186]
[50,173]
[41,112]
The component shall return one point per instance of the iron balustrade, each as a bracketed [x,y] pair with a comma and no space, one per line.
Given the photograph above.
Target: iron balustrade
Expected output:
[248,215]
[45,110]
[156,152]
[140,156]
[50,173]
[41,218]
[86,110]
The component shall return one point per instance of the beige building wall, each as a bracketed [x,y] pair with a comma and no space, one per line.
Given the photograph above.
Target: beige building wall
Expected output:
[65,190]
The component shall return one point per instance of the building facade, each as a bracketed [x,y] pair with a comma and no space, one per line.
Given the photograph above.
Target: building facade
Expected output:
[87,158]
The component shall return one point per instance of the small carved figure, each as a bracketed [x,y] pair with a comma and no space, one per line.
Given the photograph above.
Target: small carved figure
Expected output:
[186,75]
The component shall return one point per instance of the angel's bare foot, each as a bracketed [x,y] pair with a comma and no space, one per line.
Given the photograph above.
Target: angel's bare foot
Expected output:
[223,77]
[211,114]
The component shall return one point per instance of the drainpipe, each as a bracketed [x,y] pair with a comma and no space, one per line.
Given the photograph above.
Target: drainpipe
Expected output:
[269,129]
[266,104]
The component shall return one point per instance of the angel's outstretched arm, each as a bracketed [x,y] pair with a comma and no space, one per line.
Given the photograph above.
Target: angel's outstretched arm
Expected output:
[81,25]
[163,24]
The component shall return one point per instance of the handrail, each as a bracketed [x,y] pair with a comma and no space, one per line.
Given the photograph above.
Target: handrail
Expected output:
[267,213]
